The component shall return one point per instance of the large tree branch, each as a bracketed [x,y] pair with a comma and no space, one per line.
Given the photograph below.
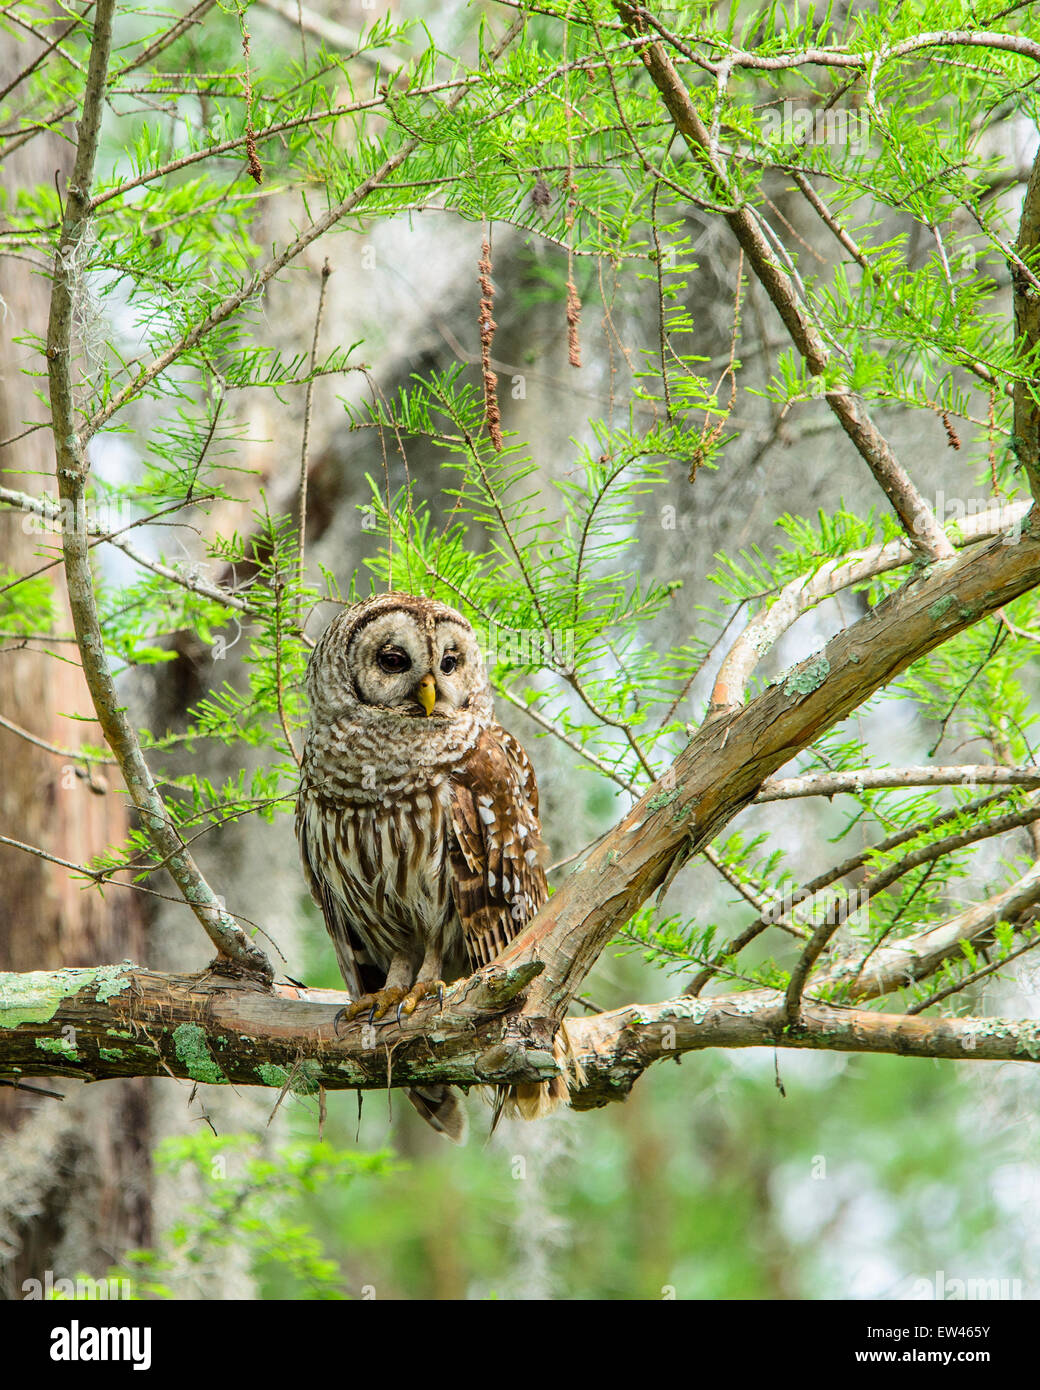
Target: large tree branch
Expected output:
[614,1049]
[117,1021]
[114,1021]
[727,760]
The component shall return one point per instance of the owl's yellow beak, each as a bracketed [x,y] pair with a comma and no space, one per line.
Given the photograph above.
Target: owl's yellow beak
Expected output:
[426,694]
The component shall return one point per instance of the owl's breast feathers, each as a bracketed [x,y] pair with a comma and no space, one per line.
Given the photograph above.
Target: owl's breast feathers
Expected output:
[453,851]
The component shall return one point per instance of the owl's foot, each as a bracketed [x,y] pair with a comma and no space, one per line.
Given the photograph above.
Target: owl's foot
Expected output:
[379,1003]
[421,990]
[376,1005]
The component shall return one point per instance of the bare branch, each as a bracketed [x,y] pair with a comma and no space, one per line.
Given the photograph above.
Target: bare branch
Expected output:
[839,56]
[865,779]
[73,754]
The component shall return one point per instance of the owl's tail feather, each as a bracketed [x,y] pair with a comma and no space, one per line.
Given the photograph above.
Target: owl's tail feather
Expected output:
[443,1110]
[533,1100]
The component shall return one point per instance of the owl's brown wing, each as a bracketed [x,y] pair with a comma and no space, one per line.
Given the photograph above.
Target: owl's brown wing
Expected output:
[495,846]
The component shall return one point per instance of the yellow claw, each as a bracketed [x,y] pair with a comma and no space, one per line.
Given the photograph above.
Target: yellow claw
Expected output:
[426,694]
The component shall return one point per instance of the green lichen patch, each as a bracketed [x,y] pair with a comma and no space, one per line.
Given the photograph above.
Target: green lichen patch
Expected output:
[36,996]
[810,678]
[112,979]
[189,1042]
[662,799]
[941,606]
[60,1046]
[110,1054]
[694,1009]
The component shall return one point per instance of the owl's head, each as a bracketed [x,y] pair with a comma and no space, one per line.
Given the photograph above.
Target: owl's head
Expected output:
[401,655]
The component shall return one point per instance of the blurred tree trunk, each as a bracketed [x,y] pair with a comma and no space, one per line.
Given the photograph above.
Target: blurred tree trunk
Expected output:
[99,1134]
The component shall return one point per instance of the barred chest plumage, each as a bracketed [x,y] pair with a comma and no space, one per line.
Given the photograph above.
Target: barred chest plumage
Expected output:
[375,813]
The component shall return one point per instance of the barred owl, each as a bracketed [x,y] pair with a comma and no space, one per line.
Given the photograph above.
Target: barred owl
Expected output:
[417,816]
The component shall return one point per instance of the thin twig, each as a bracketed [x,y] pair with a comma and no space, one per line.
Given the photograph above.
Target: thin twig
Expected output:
[326,271]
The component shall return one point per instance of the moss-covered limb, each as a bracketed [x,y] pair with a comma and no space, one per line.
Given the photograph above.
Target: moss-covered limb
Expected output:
[726,761]
[614,1049]
[117,1021]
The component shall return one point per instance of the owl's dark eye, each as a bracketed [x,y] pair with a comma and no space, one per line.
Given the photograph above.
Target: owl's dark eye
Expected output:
[393,661]
[448,663]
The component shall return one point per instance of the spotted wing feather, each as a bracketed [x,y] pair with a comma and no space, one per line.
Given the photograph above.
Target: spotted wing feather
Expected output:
[495,845]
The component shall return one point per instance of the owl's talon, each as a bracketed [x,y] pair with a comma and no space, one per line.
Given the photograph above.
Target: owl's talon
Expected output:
[421,990]
[380,1002]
